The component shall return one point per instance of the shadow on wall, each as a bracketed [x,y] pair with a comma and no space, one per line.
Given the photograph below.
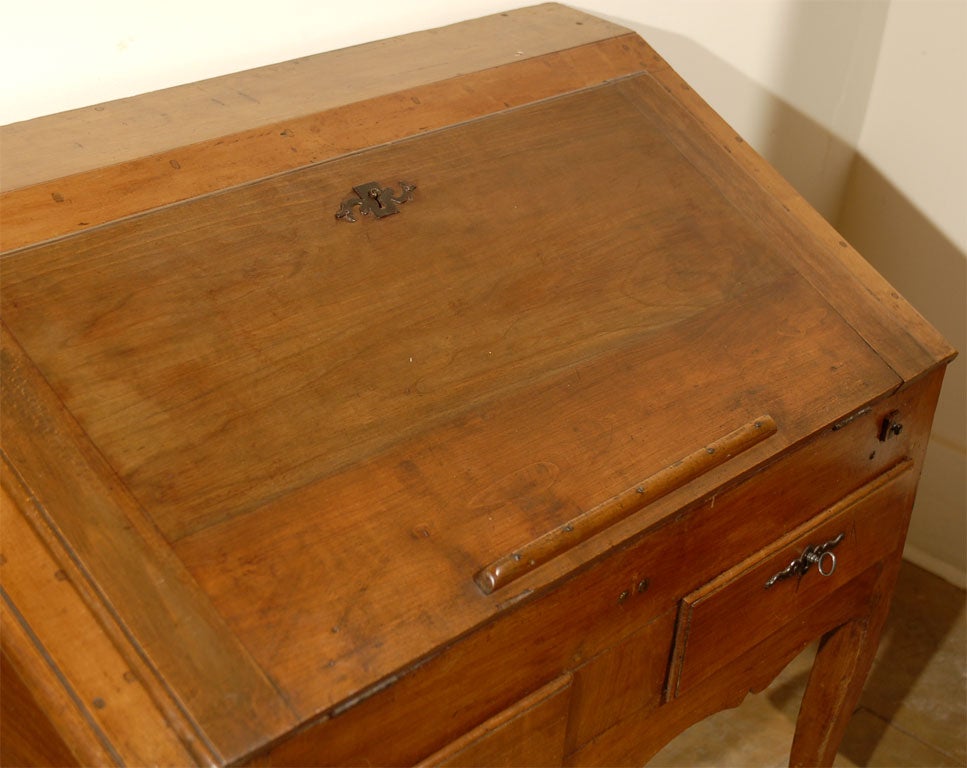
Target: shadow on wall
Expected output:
[828,63]
[800,148]
[824,67]
[930,271]
[883,225]
[814,160]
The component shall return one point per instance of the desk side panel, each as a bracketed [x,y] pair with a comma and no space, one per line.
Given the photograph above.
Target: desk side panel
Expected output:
[81,700]
[140,584]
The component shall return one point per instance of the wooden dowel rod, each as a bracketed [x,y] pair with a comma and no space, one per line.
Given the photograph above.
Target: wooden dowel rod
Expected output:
[579,529]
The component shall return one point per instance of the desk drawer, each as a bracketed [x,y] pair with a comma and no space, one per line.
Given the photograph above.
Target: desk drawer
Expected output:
[754,600]
[531,732]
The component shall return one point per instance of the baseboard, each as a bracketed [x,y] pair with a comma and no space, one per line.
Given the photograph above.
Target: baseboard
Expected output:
[938,567]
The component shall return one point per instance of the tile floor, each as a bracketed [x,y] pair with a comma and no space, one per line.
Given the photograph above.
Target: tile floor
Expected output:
[913,711]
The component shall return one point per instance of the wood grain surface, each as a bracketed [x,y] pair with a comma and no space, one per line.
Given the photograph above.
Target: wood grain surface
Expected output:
[529,733]
[143,586]
[872,521]
[579,529]
[262,396]
[77,674]
[88,189]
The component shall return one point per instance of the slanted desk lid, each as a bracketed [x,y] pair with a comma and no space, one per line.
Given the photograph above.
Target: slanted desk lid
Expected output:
[336,425]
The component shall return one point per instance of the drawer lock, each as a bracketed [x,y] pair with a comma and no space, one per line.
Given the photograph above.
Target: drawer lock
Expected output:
[373,198]
[821,556]
[890,426]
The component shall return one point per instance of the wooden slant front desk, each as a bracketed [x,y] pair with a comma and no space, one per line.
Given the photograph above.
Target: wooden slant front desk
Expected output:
[585,441]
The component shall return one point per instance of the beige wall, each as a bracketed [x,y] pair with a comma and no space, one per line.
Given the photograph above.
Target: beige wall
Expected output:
[857,102]
[792,76]
[905,209]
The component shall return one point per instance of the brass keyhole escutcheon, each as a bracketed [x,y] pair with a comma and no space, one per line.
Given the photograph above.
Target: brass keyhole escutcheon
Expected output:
[373,198]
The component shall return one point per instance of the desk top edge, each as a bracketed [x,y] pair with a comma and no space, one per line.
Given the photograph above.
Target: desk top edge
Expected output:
[126,129]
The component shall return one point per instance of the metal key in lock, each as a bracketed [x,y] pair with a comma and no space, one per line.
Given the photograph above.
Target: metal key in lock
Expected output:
[818,555]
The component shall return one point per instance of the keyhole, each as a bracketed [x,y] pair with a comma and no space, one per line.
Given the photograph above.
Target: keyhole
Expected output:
[374,193]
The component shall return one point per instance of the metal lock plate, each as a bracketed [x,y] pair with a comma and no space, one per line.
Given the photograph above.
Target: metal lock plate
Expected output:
[373,198]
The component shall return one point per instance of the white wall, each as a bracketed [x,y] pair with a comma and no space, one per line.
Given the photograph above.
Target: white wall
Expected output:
[63,54]
[905,209]
[806,82]
[792,76]
[915,130]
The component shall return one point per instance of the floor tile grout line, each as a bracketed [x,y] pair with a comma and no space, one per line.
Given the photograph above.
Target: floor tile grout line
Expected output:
[909,734]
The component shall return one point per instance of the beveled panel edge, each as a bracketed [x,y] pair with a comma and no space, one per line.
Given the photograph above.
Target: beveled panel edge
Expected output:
[71,680]
[137,578]
[901,470]
[76,202]
[129,128]
[29,662]
[450,754]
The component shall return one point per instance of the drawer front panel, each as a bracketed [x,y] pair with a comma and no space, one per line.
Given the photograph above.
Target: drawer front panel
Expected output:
[758,597]
[529,733]
[626,678]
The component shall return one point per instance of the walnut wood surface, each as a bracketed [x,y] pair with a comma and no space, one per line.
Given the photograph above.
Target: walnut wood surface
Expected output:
[836,679]
[261,397]
[529,733]
[40,724]
[81,200]
[872,306]
[29,736]
[138,578]
[872,522]
[578,622]
[637,738]
[271,448]
[579,529]
[117,718]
